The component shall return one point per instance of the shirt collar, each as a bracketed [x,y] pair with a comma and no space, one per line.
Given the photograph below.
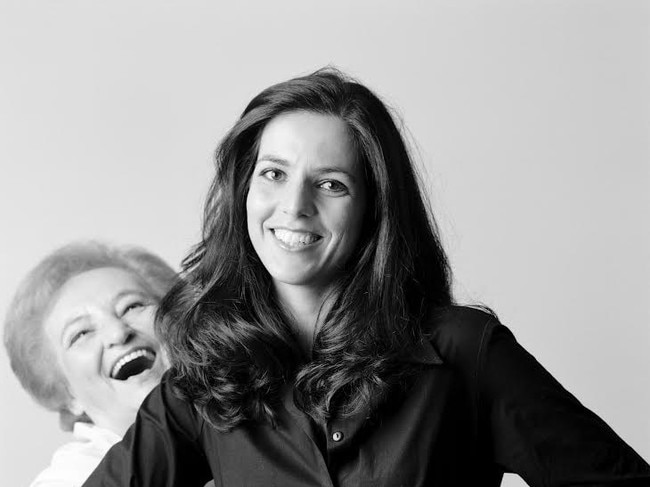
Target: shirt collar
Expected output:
[89,431]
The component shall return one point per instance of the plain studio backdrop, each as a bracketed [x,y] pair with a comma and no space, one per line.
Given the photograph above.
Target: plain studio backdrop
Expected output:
[530,118]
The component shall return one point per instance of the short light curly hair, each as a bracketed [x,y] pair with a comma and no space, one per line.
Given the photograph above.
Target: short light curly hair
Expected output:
[32,359]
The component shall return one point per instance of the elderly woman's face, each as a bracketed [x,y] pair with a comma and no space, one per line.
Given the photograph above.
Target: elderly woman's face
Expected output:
[306,199]
[101,330]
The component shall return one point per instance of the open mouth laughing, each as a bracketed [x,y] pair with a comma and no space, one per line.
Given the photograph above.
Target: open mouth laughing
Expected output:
[133,363]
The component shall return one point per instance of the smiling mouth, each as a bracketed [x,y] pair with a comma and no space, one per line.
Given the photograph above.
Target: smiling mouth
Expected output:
[295,239]
[133,363]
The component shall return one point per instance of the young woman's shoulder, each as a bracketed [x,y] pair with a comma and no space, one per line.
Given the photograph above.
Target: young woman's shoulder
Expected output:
[459,333]
[167,409]
[534,426]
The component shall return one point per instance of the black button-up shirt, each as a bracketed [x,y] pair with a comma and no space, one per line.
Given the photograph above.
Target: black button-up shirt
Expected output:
[482,405]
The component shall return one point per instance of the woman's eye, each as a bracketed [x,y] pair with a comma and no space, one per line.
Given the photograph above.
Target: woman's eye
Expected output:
[77,335]
[333,186]
[272,174]
[132,307]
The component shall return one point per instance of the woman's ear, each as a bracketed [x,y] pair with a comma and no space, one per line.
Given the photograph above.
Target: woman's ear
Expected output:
[76,408]
[71,414]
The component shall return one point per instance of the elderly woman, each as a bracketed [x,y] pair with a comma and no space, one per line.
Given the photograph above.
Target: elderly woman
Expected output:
[314,339]
[79,333]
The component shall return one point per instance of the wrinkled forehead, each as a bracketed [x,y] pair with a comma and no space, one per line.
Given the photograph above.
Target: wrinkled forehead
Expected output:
[100,287]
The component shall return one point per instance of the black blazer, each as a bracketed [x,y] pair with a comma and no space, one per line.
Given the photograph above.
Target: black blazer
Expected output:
[481,406]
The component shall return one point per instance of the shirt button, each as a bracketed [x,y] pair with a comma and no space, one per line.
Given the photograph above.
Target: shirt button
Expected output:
[337,436]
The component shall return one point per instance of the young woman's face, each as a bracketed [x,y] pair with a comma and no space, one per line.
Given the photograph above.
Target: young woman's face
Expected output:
[306,199]
[101,330]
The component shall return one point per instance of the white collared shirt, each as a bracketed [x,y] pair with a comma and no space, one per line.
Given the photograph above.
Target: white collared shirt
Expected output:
[74,461]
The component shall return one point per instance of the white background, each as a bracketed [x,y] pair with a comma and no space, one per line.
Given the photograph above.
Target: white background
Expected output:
[531,118]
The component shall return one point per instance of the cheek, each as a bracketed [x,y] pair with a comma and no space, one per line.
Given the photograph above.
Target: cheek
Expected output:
[253,204]
[77,371]
[347,221]
[254,218]
[83,360]
[251,215]
[144,322]
[259,207]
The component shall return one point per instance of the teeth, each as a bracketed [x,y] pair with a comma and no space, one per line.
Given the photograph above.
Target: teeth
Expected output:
[295,239]
[142,352]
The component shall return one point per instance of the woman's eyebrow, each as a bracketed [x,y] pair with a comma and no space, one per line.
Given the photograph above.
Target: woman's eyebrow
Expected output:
[130,292]
[272,158]
[330,169]
[75,319]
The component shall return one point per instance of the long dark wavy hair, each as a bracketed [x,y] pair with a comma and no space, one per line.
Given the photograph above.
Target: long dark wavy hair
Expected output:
[232,350]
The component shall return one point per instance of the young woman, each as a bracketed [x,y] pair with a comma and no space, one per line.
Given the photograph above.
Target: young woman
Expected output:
[79,334]
[314,339]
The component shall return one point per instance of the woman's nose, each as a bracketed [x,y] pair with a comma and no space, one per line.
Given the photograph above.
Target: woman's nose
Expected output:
[115,331]
[298,199]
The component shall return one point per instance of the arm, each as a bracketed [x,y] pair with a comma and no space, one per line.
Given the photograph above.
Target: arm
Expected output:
[162,448]
[539,430]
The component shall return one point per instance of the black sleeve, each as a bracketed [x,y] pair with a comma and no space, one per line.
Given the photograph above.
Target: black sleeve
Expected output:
[541,432]
[162,448]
